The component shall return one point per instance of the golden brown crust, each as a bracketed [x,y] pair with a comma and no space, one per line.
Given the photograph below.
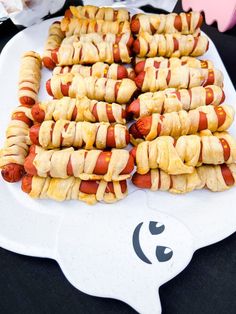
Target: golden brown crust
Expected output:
[180,77]
[171,99]
[165,23]
[69,189]
[180,123]
[54,39]
[164,45]
[207,176]
[63,133]
[93,88]
[75,26]
[187,152]
[29,78]
[100,13]
[65,107]
[93,47]
[54,163]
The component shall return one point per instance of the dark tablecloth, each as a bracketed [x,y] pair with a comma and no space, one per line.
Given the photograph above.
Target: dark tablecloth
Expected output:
[206,286]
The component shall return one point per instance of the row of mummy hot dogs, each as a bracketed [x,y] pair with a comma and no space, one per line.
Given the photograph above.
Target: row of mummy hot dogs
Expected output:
[110,69]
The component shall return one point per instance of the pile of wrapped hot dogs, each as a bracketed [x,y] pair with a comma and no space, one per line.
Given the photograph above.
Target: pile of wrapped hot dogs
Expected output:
[109,69]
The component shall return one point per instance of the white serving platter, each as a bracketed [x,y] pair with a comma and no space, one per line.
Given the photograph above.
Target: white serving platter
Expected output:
[110,250]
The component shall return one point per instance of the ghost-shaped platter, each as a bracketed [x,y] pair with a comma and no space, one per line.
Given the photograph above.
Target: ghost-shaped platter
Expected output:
[125,250]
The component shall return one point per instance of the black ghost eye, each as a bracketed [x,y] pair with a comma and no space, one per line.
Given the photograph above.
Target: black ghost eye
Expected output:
[156,227]
[163,253]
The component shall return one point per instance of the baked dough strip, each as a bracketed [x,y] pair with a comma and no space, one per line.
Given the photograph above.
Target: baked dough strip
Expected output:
[215,178]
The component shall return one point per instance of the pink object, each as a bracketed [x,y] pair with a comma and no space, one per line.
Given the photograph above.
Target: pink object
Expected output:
[223,12]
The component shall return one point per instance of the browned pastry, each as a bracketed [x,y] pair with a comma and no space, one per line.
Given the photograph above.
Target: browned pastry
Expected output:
[214,178]
[29,78]
[73,188]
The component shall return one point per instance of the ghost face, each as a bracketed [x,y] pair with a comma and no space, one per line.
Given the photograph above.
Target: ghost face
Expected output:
[162,253]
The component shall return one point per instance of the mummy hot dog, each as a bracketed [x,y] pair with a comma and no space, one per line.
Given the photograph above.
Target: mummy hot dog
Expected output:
[12,155]
[29,78]
[75,26]
[65,133]
[91,48]
[80,109]
[182,155]
[171,100]
[74,189]
[99,69]
[214,178]
[100,13]
[55,37]
[182,123]
[153,80]
[185,23]
[170,45]
[94,88]
[160,62]
[114,165]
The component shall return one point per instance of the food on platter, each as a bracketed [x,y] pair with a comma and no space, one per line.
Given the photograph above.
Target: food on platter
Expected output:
[182,122]
[108,69]
[73,188]
[184,23]
[78,109]
[63,133]
[181,155]
[172,99]
[215,178]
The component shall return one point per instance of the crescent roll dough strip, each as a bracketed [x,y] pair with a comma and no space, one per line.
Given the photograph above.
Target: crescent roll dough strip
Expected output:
[183,123]
[80,109]
[98,69]
[180,77]
[160,62]
[54,39]
[182,155]
[207,176]
[64,133]
[91,48]
[69,189]
[29,78]
[171,100]
[94,88]
[100,13]
[75,26]
[170,45]
[54,163]
[185,23]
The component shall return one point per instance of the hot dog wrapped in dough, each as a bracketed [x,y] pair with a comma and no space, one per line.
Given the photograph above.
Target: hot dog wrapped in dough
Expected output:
[103,89]
[73,188]
[170,45]
[182,155]
[78,109]
[29,78]
[114,165]
[91,48]
[160,62]
[184,23]
[182,123]
[99,69]
[63,133]
[100,13]
[54,39]
[215,178]
[15,149]
[171,100]
[75,26]
[153,80]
